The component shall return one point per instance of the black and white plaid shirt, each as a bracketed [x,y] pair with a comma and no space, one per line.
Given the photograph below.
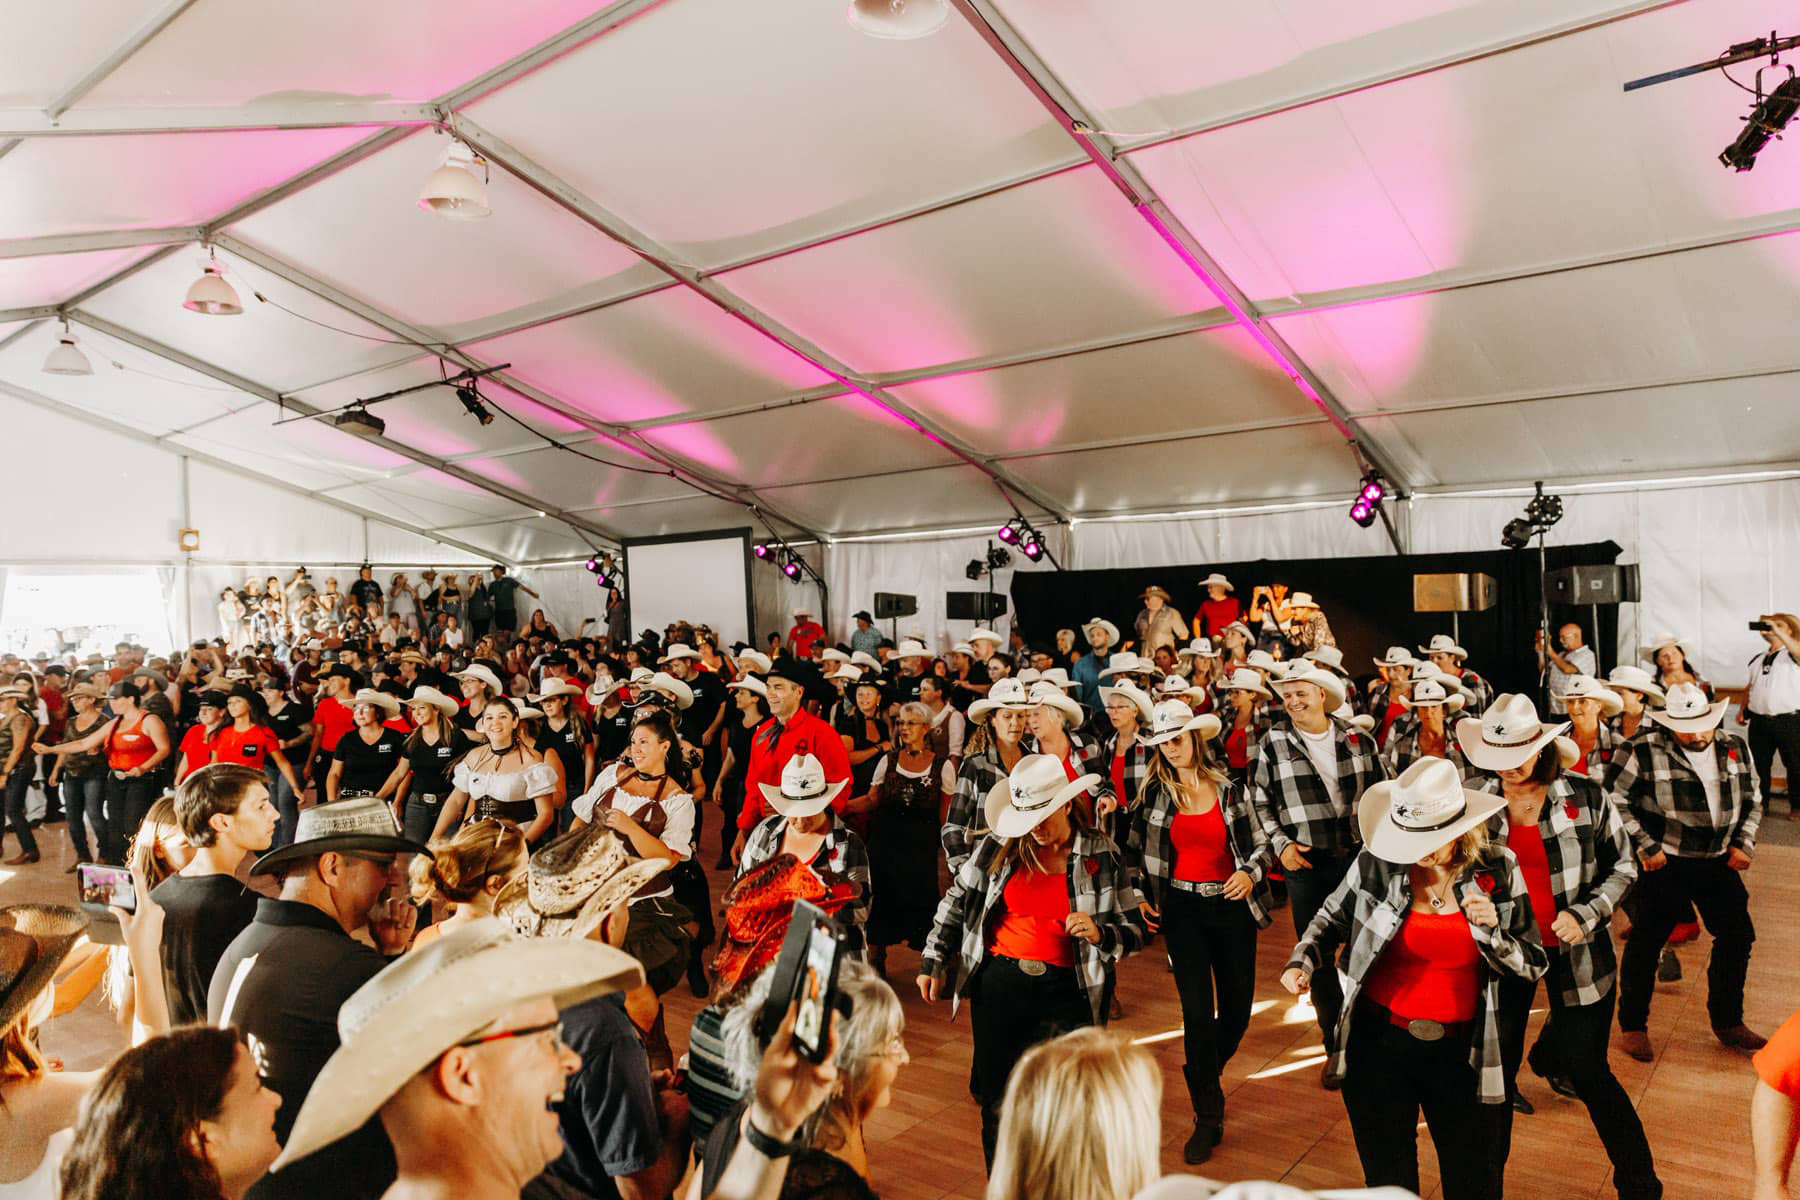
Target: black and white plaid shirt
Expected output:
[971,910]
[1404,749]
[1364,915]
[1484,692]
[1137,767]
[1663,802]
[1260,720]
[842,855]
[966,819]
[1591,869]
[1290,799]
[1150,851]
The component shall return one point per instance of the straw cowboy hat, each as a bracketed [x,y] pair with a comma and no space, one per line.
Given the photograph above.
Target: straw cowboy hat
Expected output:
[555,687]
[749,683]
[1426,808]
[485,674]
[1301,600]
[1509,735]
[1327,656]
[1649,649]
[374,699]
[832,654]
[1219,579]
[1586,687]
[986,635]
[1686,710]
[1198,648]
[1431,693]
[755,658]
[1174,687]
[1245,680]
[1137,696]
[1397,656]
[1048,694]
[1126,663]
[677,650]
[847,673]
[911,648]
[437,997]
[1636,679]
[667,685]
[1008,694]
[92,691]
[865,660]
[1037,787]
[1112,631]
[1058,676]
[1443,643]
[1325,681]
[415,658]
[34,940]
[572,882]
[804,790]
[359,823]
[424,694]
[1156,590]
[1174,718]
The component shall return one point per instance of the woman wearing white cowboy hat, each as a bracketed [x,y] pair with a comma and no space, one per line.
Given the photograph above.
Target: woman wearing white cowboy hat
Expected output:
[1424,731]
[565,733]
[420,781]
[1236,641]
[504,777]
[1199,663]
[1670,658]
[1129,709]
[1243,710]
[1591,706]
[911,785]
[1201,856]
[1055,727]
[1431,917]
[1576,861]
[1395,669]
[479,685]
[1637,692]
[1030,924]
[991,753]
[805,826]
[1443,653]
[364,761]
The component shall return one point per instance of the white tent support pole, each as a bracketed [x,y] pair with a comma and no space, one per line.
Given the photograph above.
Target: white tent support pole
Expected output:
[94,420]
[1610,389]
[504,155]
[183,359]
[105,239]
[1060,103]
[91,122]
[679,466]
[42,312]
[187,559]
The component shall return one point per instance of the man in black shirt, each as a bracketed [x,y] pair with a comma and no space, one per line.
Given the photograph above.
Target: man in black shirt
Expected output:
[504,589]
[226,816]
[366,592]
[282,980]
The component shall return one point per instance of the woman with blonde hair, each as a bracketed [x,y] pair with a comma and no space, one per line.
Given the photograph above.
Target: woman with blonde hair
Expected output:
[1082,1120]
[467,873]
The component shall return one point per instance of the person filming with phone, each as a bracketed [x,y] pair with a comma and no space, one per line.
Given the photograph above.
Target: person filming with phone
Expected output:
[1772,709]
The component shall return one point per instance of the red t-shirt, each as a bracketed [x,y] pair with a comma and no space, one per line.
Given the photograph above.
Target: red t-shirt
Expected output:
[333,720]
[803,636]
[1037,906]
[1394,709]
[1428,972]
[1215,615]
[250,747]
[1118,778]
[1237,746]
[1778,1063]
[770,748]
[1202,853]
[1526,841]
[196,751]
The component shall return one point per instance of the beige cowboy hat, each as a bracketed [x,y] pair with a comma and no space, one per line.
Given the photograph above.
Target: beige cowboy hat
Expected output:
[1008,694]
[755,658]
[414,657]
[1136,696]
[444,994]
[1156,590]
[986,635]
[425,694]
[358,823]
[1452,684]
[1174,687]
[804,790]
[1325,681]
[599,690]
[1649,649]
[1027,675]
[1509,735]
[1443,643]
[846,672]
[1636,679]
[1126,663]
[865,660]
[1686,711]
[1049,695]
[677,650]
[668,685]
[1242,629]
[911,648]
[1112,631]
[1301,600]
[1586,687]
[1198,648]
[1174,718]
[1426,808]
[1431,693]
[34,940]
[1397,656]
[832,654]
[1245,680]
[749,683]
[963,648]
[1327,656]
[1037,787]
[482,672]
[1057,676]
[1219,579]
[1262,660]
[573,881]
[382,700]
[555,687]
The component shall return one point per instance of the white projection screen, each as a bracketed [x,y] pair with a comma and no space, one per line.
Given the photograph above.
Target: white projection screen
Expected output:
[703,578]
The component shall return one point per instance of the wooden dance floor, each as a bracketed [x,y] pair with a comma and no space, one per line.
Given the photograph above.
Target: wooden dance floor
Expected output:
[1279,1123]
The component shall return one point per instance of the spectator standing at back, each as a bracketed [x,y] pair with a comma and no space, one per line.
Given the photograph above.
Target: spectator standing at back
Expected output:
[805,634]
[866,637]
[366,592]
[1772,708]
[504,593]
[1563,662]
[1158,623]
[1219,609]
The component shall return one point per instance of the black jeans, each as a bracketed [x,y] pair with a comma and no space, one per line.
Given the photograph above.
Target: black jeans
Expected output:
[1212,944]
[1390,1076]
[84,803]
[127,800]
[1663,898]
[1009,1013]
[18,784]
[1573,1043]
[1769,735]
[1307,890]
[287,805]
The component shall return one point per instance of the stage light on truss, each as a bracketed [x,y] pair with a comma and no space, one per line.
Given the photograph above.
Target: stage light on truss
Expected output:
[1031,547]
[471,402]
[1367,505]
[1517,534]
[1009,532]
[996,558]
[593,565]
[762,549]
[975,568]
[791,567]
[1767,119]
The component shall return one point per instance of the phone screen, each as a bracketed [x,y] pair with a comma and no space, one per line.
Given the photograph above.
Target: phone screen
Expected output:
[107,887]
[813,991]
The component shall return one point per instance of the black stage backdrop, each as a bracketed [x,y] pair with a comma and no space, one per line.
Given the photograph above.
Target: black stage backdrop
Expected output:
[1369,602]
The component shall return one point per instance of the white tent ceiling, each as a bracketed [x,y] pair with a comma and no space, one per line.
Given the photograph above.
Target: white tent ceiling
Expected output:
[865,285]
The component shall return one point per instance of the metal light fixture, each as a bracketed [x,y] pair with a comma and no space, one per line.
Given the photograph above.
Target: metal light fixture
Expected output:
[1367,504]
[454,191]
[65,358]
[899,20]
[211,294]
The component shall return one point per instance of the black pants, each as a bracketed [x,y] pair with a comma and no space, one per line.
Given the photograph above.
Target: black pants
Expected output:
[1009,1013]
[1390,1077]
[18,785]
[1573,1043]
[1663,898]
[1212,944]
[1307,890]
[128,798]
[84,803]
[1769,735]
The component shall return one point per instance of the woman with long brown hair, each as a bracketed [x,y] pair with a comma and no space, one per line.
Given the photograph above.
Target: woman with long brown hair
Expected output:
[82,777]
[503,777]
[467,874]
[136,743]
[991,753]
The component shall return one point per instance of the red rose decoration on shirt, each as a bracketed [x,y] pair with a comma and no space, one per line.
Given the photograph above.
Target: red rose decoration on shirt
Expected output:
[1731,754]
[1093,868]
[1571,811]
[1606,756]
[1485,882]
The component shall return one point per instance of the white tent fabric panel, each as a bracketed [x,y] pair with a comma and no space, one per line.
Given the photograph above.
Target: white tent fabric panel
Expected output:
[524,540]
[688,512]
[123,505]
[149,394]
[240,518]
[47,279]
[958,495]
[312,453]
[411,508]
[1318,532]
[426,489]
[569,482]
[48,47]
[387,544]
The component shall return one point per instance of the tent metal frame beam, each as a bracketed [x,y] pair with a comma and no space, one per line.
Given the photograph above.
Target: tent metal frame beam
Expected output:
[104,239]
[502,154]
[107,122]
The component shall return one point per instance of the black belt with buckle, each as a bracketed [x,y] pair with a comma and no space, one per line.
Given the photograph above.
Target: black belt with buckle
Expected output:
[1421,1028]
[1031,966]
[1199,889]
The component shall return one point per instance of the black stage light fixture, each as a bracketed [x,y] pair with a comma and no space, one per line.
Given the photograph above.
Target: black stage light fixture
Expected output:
[1364,508]
[361,422]
[997,557]
[1517,534]
[1541,512]
[471,402]
[1768,117]
[974,569]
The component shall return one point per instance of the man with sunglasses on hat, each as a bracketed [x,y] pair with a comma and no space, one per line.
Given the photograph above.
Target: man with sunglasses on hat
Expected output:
[789,731]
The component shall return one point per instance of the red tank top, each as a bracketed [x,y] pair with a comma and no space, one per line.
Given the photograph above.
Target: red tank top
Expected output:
[1526,842]
[1037,904]
[1202,854]
[128,748]
[1428,972]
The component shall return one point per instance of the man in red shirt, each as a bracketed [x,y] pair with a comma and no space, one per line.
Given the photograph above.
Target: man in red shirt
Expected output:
[791,730]
[1219,609]
[332,717]
[804,635]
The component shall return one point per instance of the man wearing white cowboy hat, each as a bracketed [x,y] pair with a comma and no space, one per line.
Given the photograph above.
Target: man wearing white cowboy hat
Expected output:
[1688,794]
[984,643]
[1158,623]
[1306,627]
[1219,609]
[1444,654]
[458,1051]
[805,824]
[1307,777]
[805,634]
[283,979]
[790,731]
[1772,709]
[1102,635]
[913,657]
[1424,731]
[1396,669]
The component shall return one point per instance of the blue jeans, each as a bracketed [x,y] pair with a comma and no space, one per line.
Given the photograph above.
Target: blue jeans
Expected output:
[127,800]
[18,784]
[287,805]
[84,804]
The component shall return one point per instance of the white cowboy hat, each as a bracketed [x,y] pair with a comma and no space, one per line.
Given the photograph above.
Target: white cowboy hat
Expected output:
[1245,680]
[1509,735]
[438,996]
[1035,789]
[1359,721]
[1443,643]
[847,673]
[1262,660]
[833,654]
[1686,710]
[1146,707]
[1301,600]
[526,712]
[668,685]
[1431,693]
[1008,694]
[865,660]
[640,674]
[1636,679]
[1058,676]
[1219,579]
[1112,631]
[804,791]
[1174,718]
[963,648]
[1452,684]
[1656,643]
[1027,675]
[1586,687]
[749,683]
[911,648]
[986,635]
[599,690]
[1241,628]
[1327,656]
[803,612]
[555,687]
[1397,656]
[1426,808]
[386,703]
[358,823]
[1049,694]
[425,694]
[1174,687]
[1198,648]
[485,674]
[755,658]
[1325,681]
[678,650]
[1126,663]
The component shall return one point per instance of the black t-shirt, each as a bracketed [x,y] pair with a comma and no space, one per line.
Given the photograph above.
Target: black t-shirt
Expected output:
[567,746]
[201,916]
[431,763]
[365,592]
[709,694]
[905,688]
[367,765]
[503,593]
[611,734]
[288,722]
[610,1120]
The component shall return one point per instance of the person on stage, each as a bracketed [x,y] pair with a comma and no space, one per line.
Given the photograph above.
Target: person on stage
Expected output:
[1219,609]
[1159,623]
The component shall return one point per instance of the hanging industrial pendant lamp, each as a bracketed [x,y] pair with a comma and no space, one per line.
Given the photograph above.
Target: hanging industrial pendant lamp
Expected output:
[211,294]
[898,19]
[65,358]
[454,191]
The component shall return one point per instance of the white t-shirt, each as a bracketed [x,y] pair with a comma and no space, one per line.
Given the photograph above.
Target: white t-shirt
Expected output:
[1706,766]
[1321,748]
[948,783]
[677,835]
[1774,685]
[453,638]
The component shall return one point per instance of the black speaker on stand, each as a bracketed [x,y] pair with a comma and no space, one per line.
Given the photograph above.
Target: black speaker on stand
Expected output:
[891,606]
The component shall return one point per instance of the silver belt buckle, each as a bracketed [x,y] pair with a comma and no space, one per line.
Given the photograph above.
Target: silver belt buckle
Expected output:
[1031,966]
[1211,889]
[1426,1031]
